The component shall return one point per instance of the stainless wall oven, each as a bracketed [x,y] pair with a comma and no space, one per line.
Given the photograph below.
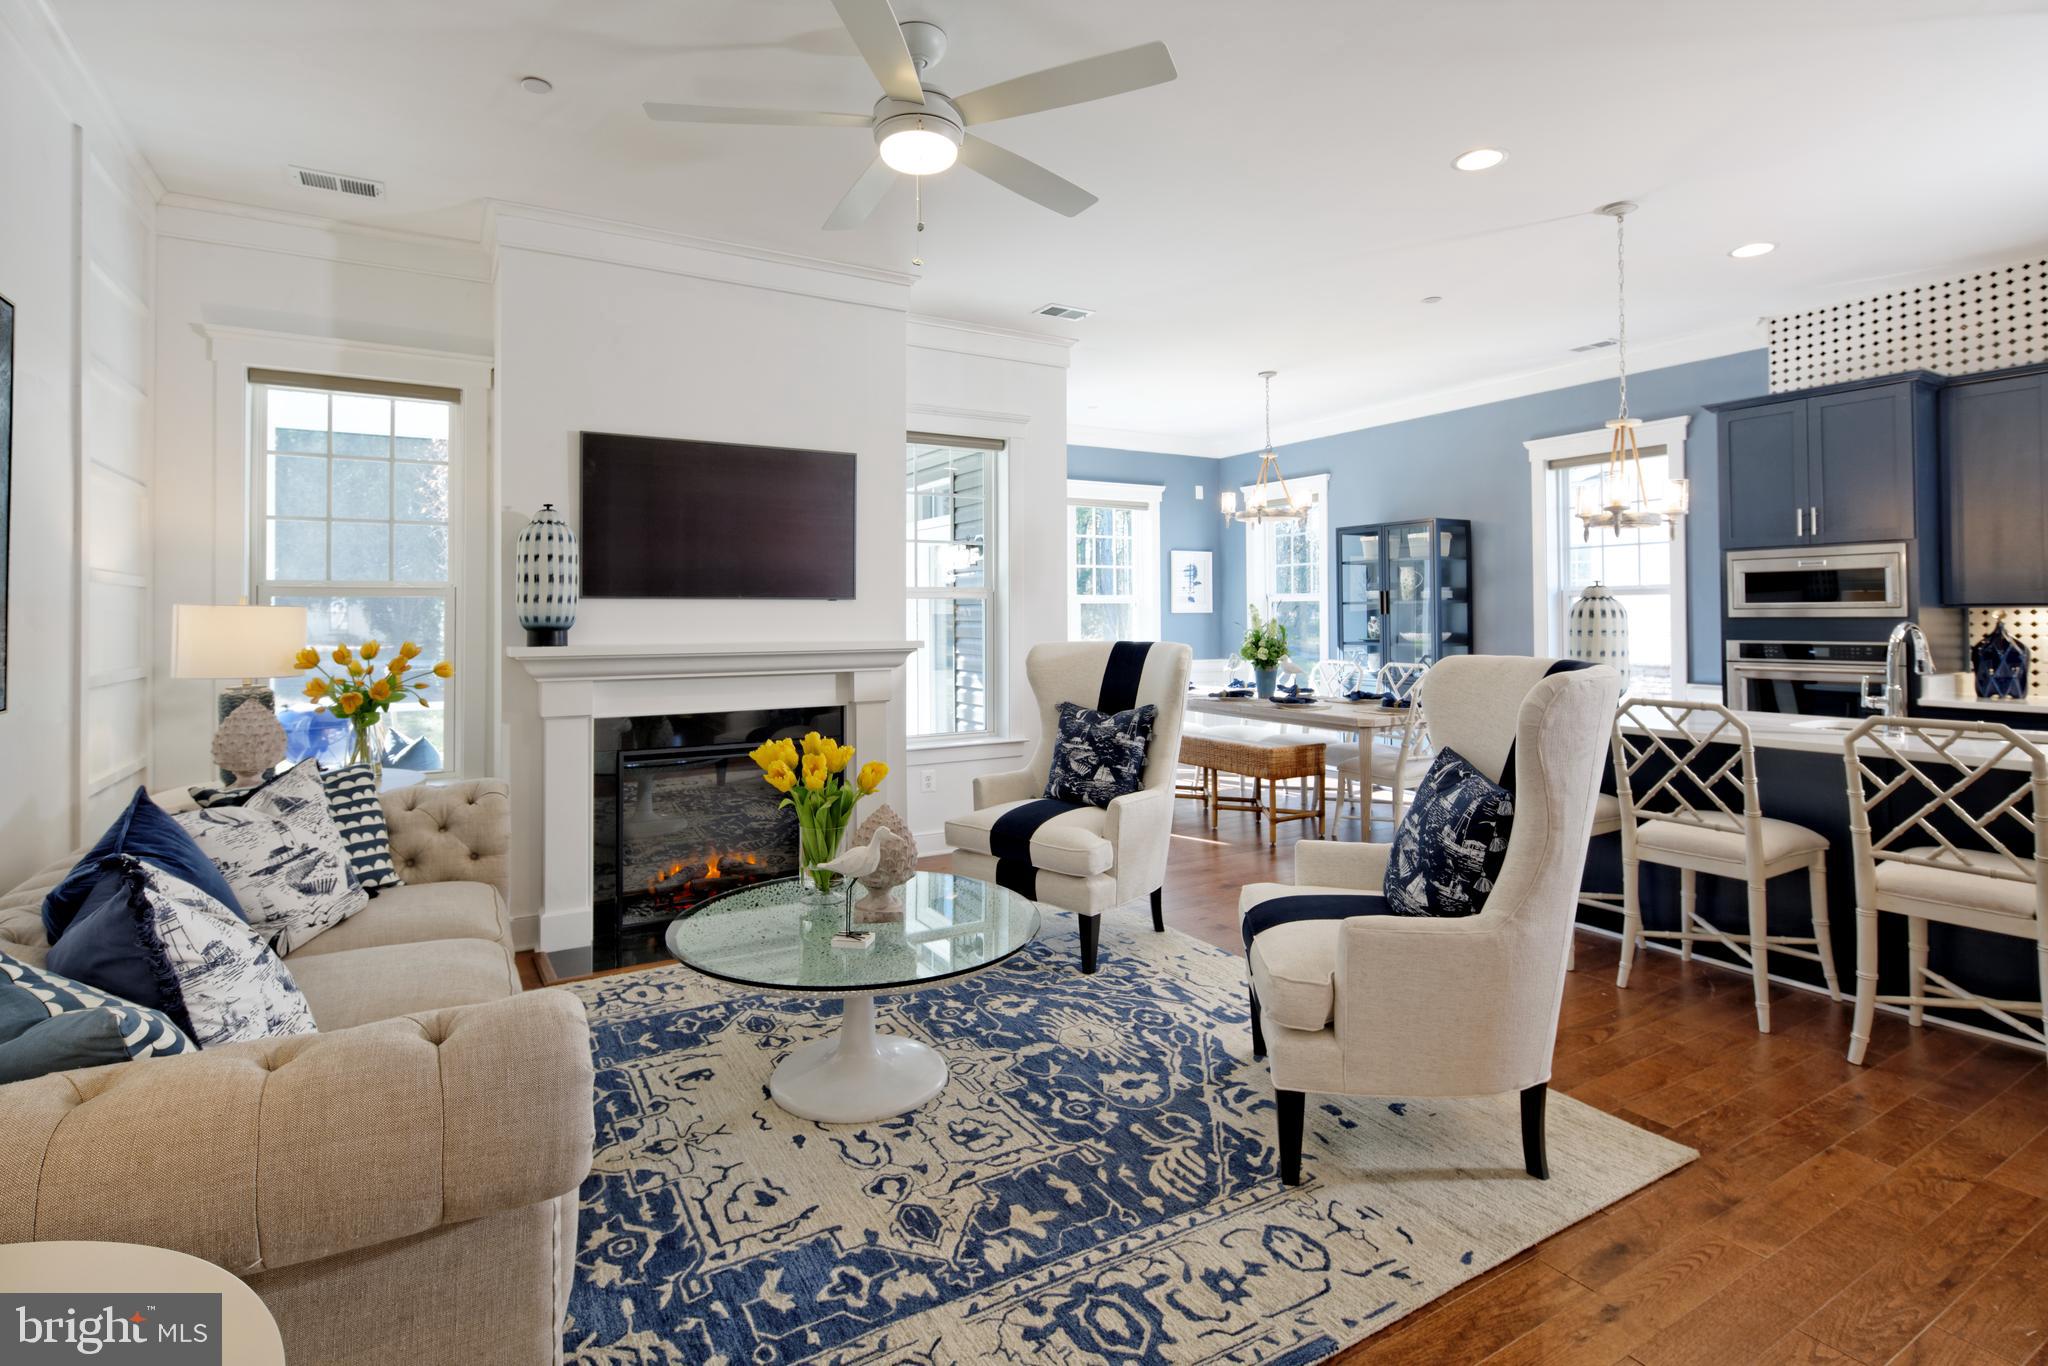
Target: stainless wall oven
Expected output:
[1820,581]
[1802,678]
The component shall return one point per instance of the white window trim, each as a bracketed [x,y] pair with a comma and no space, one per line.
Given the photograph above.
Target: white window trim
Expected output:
[1145,586]
[479,749]
[1545,513]
[995,572]
[1258,570]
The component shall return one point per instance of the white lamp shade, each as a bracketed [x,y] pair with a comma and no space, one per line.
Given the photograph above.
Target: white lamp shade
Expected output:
[235,642]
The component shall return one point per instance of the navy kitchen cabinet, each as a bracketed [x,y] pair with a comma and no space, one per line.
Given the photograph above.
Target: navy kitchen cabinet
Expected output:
[1994,445]
[1837,465]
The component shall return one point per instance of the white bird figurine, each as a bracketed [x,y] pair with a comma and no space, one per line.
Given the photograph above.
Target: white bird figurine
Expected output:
[855,864]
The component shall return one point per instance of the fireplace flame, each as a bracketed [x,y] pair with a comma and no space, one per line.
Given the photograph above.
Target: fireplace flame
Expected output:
[711,865]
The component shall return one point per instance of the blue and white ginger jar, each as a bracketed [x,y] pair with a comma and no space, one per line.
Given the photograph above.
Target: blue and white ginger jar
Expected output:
[1596,629]
[546,577]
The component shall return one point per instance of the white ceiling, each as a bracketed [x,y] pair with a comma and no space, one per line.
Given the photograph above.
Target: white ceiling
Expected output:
[1286,203]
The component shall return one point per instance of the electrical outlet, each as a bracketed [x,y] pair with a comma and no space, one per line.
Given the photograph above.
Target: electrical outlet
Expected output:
[928,781]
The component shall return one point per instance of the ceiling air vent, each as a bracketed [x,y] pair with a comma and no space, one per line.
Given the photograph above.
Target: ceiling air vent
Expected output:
[1600,345]
[1066,311]
[336,183]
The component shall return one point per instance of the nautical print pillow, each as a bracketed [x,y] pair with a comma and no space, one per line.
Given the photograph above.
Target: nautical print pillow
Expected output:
[1451,843]
[292,880]
[227,983]
[49,1023]
[352,804]
[1099,757]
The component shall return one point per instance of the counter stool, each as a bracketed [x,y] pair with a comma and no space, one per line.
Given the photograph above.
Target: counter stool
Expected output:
[1606,821]
[1994,880]
[1683,807]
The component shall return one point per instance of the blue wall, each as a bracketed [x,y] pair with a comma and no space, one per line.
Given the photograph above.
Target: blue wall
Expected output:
[1470,463]
[1184,524]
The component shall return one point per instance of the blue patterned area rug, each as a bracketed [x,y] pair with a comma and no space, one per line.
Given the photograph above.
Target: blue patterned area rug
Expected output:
[1097,1183]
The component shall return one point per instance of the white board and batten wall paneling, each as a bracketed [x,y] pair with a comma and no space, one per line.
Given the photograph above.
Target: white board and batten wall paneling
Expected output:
[116,378]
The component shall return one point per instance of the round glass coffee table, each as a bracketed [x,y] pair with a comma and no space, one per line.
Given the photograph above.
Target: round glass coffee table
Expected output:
[763,938]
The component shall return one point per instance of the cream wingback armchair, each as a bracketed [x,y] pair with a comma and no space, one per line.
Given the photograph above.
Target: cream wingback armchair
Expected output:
[1394,1005]
[1083,859]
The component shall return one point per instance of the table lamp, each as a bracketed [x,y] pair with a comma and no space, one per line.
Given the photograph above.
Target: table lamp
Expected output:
[246,643]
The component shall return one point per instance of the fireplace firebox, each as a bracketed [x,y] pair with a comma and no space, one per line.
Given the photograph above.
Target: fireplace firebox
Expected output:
[680,815]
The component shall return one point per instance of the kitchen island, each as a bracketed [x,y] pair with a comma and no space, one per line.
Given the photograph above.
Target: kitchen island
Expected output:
[1801,776]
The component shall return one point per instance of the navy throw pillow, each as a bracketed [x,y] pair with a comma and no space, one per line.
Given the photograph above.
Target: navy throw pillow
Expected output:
[144,831]
[105,945]
[1451,843]
[49,1023]
[1099,756]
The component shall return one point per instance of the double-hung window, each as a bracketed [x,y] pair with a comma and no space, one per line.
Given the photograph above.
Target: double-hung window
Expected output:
[1112,560]
[354,487]
[1638,565]
[950,488]
[1287,570]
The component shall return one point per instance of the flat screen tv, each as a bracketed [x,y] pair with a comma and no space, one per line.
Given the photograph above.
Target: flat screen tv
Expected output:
[710,519]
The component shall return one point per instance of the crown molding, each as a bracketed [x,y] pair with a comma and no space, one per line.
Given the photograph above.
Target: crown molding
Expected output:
[249,227]
[56,62]
[1131,439]
[965,338]
[530,228]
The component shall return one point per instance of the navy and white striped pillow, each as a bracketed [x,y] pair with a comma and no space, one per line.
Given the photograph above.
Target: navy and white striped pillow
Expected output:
[95,1028]
[352,801]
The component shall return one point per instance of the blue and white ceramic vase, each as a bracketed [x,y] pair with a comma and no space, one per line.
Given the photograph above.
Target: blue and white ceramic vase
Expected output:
[1596,629]
[547,573]
[2000,663]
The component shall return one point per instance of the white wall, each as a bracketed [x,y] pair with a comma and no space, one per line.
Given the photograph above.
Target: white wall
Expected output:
[238,287]
[603,327]
[967,380]
[75,210]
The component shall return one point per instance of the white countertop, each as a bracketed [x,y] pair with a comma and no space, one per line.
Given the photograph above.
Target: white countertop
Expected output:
[1824,735]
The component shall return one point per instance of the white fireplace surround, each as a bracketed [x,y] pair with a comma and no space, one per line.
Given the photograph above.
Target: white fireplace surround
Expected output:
[579,683]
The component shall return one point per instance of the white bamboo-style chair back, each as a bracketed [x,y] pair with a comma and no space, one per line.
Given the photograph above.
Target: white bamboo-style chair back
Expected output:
[1404,682]
[1941,860]
[1335,677]
[1665,767]
[2004,839]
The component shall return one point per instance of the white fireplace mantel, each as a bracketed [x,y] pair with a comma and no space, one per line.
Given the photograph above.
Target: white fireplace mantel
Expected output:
[580,683]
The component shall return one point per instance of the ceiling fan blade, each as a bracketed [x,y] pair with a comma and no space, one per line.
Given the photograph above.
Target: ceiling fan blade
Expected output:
[862,200]
[1091,78]
[791,118]
[1022,176]
[872,25]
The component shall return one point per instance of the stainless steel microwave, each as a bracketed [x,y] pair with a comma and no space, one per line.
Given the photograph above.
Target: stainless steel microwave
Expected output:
[1821,581]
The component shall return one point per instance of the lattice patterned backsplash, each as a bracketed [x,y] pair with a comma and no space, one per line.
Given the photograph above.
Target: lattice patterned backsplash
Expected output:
[1986,320]
[2027,625]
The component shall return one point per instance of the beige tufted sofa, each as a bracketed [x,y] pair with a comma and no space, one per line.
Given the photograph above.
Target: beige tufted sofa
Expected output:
[401,1186]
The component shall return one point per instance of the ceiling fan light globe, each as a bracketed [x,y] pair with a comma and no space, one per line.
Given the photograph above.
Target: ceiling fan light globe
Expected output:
[915,150]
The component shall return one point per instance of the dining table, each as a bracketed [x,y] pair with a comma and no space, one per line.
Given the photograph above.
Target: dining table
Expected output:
[1335,714]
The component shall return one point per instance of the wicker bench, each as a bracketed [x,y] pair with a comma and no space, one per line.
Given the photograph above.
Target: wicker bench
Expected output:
[1268,763]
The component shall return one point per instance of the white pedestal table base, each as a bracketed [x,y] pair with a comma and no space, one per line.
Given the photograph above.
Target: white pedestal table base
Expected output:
[854,1075]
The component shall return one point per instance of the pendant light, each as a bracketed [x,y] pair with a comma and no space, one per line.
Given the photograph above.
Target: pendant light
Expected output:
[1270,499]
[1621,497]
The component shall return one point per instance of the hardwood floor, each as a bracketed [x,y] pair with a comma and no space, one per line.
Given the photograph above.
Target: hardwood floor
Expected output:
[1895,1212]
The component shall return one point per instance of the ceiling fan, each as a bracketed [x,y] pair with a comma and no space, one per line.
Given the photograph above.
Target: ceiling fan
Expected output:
[922,131]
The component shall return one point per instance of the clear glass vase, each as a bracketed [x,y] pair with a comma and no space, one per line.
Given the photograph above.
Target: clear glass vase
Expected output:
[368,743]
[817,842]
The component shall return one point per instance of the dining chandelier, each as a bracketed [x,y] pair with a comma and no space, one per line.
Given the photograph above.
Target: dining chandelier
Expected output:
[1270,499]
[1620,498]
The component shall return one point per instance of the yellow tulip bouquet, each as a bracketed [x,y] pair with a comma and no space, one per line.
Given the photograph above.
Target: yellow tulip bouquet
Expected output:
[814,780]
[364,692]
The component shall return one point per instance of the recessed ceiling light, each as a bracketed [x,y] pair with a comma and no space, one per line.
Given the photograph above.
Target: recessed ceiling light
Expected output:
[1480,159]
[1749,249]
[536,85]
[1432,298]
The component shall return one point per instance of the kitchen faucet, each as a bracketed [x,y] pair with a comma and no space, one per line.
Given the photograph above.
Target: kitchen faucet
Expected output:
[1892,702]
